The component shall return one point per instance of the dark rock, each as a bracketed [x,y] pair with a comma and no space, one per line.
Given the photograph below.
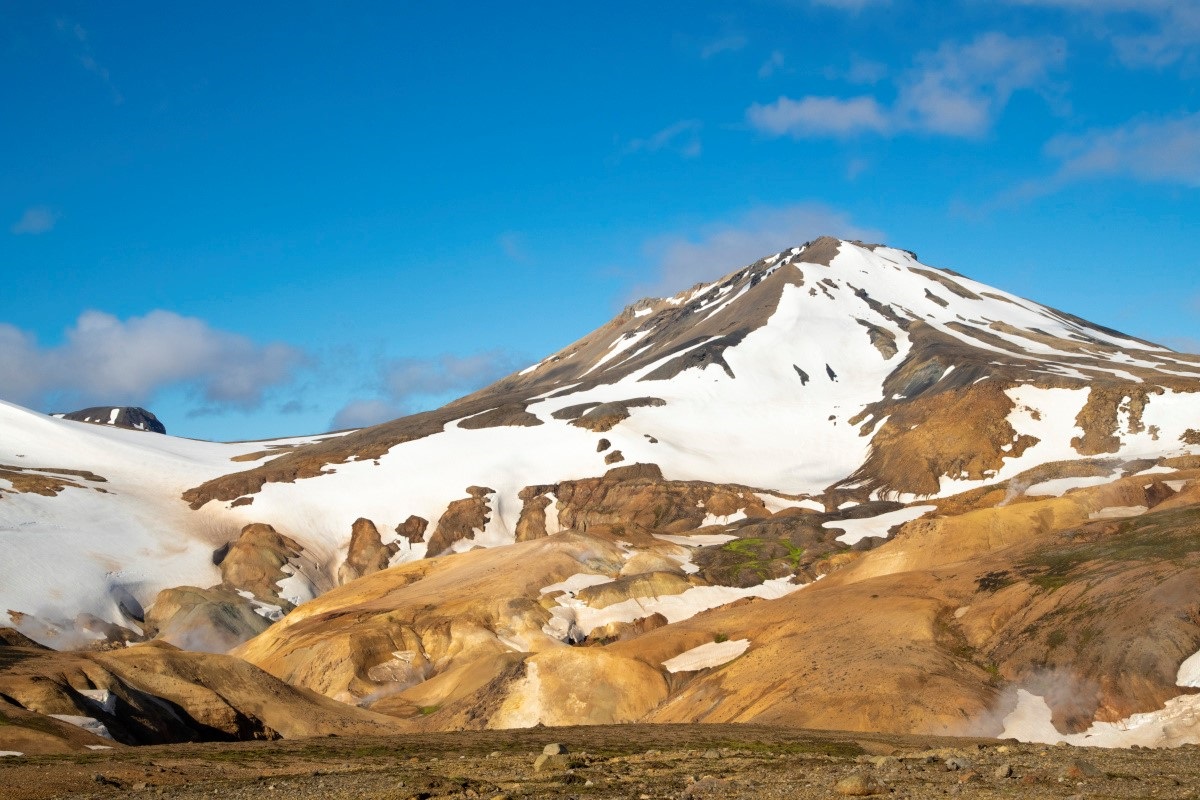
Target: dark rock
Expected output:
[131,417]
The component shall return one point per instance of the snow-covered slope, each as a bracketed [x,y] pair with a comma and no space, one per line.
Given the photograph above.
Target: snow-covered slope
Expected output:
[834,372]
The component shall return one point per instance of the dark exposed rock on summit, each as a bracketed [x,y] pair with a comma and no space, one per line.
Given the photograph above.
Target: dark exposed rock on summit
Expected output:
[131,417]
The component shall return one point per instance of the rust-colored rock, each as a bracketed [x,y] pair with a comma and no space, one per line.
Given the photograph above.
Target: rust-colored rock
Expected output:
[413,529]
[461,519]
[367,553]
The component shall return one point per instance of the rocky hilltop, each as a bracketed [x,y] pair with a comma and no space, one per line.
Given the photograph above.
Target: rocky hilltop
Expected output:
[131,417]
[837,488]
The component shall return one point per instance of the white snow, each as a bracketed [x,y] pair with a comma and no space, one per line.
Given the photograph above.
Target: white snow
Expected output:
[674,607]
[711,654]
[10,753]
[112,416]
[695,539]
[580,580]
[775,503]
[1176,723]
[89,724]
[1060,486]
[762,428]
[106,700]
[1118,512]
[719,519]
[859,529]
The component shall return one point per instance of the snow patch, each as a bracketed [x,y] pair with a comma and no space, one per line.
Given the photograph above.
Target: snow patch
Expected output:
[711,654]
[859,529]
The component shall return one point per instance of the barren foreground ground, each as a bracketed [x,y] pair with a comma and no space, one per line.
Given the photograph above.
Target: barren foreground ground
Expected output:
[639,761]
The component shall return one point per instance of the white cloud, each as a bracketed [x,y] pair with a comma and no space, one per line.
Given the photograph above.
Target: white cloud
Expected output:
[1144,33]
[681,137]
[956,90]
[818,116]
[87,57]
[726,44]
[1160,150]
[365,413]
[772,65]
[104,360]
[36,220]
[681,260]
[406,385]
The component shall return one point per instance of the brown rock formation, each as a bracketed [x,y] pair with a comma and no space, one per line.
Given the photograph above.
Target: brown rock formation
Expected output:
[254,563]
[367,552]
[460,520]
[206,620]
[155,693]
[413,529]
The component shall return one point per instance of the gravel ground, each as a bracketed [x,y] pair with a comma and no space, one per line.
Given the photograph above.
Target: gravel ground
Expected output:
[639,761]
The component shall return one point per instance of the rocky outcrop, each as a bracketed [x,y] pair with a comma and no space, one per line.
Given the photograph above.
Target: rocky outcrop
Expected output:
[508,414]
[131,417]
[636,497]
[367,553]
[413,529]
[244,604]
[207,620]
[155,693]
[532,524]
[258,561]
[605,416]
[461,520]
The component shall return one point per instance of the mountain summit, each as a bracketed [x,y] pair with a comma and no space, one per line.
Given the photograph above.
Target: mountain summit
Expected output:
[993,468]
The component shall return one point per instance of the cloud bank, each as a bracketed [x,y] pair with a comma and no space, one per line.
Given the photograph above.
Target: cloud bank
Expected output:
[105,360]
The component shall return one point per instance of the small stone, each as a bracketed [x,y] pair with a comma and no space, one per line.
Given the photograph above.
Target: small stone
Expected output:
[712,754]
[859,784]
[1079,769]
[555,749]
[1004,771]
[551,762]
[494,754]
[954,764]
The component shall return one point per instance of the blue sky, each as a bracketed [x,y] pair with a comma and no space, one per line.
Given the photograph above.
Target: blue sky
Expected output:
[261,219]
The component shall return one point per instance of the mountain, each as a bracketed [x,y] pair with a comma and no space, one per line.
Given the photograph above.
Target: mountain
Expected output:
[835,488]
[131,417]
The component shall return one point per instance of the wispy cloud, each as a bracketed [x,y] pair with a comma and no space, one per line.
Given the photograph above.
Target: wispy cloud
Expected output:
[1144,33]
[512,244]
[955,90]
[104,359]
[1161,150]
[682,137]
[679,260]
[729,43]
[772,65]
[36,220]
[818,116]
[87,58]
[402,384]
